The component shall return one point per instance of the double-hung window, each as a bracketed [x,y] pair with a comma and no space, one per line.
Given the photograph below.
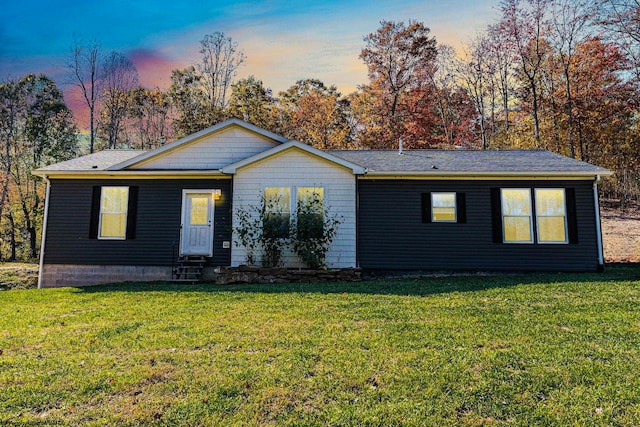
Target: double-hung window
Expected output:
[114,203]
[517,220]
[443,207]
[277,201]
[548,208]
[551,215]
[310,212]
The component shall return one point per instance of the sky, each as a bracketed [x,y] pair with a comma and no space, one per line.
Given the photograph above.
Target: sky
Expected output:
[284,41]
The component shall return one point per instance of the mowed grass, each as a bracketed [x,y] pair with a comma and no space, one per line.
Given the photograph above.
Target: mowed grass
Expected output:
[549,349]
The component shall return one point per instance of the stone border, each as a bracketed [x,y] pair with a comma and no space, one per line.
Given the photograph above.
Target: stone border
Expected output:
[254,274]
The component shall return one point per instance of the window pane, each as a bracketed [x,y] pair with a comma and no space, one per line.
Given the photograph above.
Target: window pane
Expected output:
[550,202]
[516,202]
[114,199]
[517,229]
[444,214]
[113,225]
[552,229]
[199,210]
[314,197]
[443,200]
[277,199]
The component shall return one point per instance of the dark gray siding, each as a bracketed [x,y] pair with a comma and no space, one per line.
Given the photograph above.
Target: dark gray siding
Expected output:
[157,225]
[392,235]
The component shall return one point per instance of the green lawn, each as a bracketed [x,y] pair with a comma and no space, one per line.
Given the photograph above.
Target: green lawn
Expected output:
[552,349]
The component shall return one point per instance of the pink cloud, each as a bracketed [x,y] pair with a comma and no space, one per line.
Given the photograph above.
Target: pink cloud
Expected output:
[154,68]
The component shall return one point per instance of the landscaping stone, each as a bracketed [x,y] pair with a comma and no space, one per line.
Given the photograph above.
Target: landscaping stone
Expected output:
[253,274]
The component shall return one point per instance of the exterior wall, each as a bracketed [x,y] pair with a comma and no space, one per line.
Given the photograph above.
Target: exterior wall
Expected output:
[295,168]
[213,151]
[158,219]
[391,234]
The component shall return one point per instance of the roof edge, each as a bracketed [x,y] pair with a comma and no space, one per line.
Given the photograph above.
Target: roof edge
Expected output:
[355,168]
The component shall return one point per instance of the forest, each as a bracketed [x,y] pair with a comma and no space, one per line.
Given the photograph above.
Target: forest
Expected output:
[560,75]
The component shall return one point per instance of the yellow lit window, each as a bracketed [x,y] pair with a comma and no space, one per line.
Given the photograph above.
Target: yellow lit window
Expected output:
[551,215]
[443,207]
[113,212]
[516,215]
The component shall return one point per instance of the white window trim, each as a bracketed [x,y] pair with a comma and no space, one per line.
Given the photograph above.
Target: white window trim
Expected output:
[566,222]
[126,214]
[502,215]
[455,207]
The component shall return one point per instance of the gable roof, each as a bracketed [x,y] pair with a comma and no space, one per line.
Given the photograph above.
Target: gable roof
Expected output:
[355,168]
[190,138]
[469,162]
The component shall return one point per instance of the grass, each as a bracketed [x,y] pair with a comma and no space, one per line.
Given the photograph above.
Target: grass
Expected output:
[550,349]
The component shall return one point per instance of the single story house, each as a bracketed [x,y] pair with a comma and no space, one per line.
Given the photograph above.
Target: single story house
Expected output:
[120,215]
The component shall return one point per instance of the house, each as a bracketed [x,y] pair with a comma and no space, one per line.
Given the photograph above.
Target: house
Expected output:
[121,215]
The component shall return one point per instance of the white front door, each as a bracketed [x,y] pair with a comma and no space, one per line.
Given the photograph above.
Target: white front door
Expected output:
[197,222]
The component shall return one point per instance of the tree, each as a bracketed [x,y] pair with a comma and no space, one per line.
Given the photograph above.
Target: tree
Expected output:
[252,102]
[220,62]
[570,20]
[394,54]
[11,108]
[43,131]
[189,101]
[621,20]
[84,73]
[149,118]
[526,23]
[316,114]
[120,77]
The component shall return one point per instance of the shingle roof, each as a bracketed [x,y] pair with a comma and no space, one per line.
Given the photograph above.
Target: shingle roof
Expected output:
[466,161]
[97,161]
[427,162]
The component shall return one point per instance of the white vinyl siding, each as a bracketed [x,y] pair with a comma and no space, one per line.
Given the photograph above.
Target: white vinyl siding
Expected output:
[213,151]
[296,169]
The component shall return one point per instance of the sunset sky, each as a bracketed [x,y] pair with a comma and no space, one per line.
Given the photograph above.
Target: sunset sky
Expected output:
[283,40]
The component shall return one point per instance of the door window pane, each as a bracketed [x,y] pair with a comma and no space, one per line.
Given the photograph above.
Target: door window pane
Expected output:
[199,210]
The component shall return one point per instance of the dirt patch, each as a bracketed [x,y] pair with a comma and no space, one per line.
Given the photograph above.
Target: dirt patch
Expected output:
[620,231]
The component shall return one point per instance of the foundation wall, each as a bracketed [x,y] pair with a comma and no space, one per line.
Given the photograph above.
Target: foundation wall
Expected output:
[60,275]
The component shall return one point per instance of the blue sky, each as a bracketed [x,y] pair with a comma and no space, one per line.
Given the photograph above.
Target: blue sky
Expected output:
[283,40]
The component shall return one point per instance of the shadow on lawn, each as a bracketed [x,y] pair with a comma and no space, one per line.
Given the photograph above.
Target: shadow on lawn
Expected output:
[427,284]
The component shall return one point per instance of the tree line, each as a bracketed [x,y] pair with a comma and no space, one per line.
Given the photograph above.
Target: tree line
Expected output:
[561,75]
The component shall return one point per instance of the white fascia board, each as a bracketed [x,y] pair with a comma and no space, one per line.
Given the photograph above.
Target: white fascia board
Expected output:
[233,167]
[189,138]
[487,175]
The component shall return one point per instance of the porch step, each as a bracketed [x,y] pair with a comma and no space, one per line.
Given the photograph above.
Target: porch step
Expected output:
[188,269]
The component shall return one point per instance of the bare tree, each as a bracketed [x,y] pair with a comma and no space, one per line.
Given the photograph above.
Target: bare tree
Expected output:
[526,23]
[570,19]
[220,62]
[119,77]
[621,20]
[84,73]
